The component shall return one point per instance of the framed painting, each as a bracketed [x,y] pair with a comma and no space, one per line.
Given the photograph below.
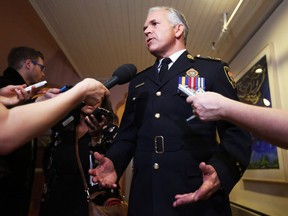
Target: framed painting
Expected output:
[257,84]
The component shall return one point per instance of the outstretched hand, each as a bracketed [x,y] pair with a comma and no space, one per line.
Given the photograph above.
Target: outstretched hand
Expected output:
[104,174]
[211,184]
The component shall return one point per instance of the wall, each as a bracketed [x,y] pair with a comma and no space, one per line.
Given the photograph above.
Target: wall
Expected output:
[267,197]
[21,26]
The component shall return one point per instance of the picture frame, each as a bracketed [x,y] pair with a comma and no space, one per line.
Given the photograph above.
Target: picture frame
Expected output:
[268,163]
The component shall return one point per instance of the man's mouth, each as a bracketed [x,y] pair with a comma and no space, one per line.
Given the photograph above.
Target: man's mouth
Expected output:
[149,40]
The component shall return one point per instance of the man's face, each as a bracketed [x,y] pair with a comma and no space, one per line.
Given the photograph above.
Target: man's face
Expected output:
[159,32]
[36,72]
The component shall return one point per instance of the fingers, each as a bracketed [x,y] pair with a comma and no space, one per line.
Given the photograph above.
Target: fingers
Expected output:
[22,95]
[92,91]
[203,167]
[184,199]
[106,184]
[104,174]
[99,157]
[190,99]
[206,169]
[92,122]
[202,193]
[211,184]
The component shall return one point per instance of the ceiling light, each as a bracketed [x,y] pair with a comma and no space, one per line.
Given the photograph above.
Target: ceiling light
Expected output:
[226,23]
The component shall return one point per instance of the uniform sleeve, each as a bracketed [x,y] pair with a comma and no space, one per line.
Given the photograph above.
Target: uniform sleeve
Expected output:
[122,150]
[234,152]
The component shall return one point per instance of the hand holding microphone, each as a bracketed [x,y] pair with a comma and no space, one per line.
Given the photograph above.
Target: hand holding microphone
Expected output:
[121,75]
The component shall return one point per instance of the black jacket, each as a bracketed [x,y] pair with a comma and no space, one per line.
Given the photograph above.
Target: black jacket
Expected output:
[155,114]
[11,77]
[17,168]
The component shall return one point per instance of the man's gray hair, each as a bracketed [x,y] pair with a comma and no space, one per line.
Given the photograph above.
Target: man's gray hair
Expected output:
[175,17]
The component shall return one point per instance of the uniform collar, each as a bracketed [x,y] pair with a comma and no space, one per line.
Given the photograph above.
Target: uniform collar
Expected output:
[173,58]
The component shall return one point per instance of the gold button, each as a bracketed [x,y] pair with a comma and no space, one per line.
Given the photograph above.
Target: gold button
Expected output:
[156,166]
[158,93]
[157,115]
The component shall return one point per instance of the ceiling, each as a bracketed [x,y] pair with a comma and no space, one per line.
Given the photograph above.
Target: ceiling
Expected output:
[99,36]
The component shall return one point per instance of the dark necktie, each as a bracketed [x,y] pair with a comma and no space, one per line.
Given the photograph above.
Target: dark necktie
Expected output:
[164,67]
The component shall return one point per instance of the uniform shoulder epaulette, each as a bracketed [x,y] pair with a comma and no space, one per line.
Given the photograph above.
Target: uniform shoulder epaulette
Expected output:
[207,58]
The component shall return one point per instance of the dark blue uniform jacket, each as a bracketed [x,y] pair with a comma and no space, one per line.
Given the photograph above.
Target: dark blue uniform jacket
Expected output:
[167,150]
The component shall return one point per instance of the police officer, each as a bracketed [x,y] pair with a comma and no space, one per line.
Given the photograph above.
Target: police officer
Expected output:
[168,145]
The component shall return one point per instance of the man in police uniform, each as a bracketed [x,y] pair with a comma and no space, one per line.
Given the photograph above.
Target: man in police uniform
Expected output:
[168,147]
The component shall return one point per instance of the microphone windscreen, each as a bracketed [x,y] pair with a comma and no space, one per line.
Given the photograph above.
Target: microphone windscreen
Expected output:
[125,73]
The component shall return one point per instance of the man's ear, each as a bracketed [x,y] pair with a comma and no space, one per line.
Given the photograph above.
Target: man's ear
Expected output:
[27,63]
[179,30]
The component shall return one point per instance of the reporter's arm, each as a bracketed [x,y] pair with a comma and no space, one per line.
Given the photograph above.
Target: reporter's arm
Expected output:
[266,123]
[21,124]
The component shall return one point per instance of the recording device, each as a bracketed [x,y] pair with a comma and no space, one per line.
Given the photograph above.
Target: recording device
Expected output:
[65,88]
[36,85]
[121,75]
[185,90]
[99,112]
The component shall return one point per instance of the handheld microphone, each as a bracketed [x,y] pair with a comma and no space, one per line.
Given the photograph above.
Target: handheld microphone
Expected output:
[121,75]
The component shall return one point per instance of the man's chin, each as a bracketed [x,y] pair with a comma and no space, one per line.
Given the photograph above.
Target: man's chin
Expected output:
[152,51]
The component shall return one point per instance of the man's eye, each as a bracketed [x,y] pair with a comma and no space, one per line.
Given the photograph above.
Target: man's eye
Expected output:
[155,23]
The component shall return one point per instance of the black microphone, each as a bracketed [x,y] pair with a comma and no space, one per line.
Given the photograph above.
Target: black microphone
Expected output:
[121,75]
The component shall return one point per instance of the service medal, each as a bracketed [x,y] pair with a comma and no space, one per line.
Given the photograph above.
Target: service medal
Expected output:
[192,72]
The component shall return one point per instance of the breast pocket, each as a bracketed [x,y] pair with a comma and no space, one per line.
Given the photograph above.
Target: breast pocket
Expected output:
[140,105]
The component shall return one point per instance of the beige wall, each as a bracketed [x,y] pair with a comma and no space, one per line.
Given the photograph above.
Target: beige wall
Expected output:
[21,26]
[267,197]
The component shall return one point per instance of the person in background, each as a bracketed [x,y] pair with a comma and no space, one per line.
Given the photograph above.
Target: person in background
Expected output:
[266,123]
[25,66]
[48,113]
[94,129]
[166,146]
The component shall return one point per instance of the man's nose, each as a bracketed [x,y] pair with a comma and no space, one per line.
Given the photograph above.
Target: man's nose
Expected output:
[147,31]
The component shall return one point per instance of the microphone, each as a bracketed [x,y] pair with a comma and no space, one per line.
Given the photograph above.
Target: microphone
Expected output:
[121,75]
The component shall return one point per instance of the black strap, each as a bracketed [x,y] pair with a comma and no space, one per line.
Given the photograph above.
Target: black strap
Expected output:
[81,169]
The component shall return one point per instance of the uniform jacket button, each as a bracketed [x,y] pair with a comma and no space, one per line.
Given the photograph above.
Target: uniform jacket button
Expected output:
[158,93]
[156,166]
